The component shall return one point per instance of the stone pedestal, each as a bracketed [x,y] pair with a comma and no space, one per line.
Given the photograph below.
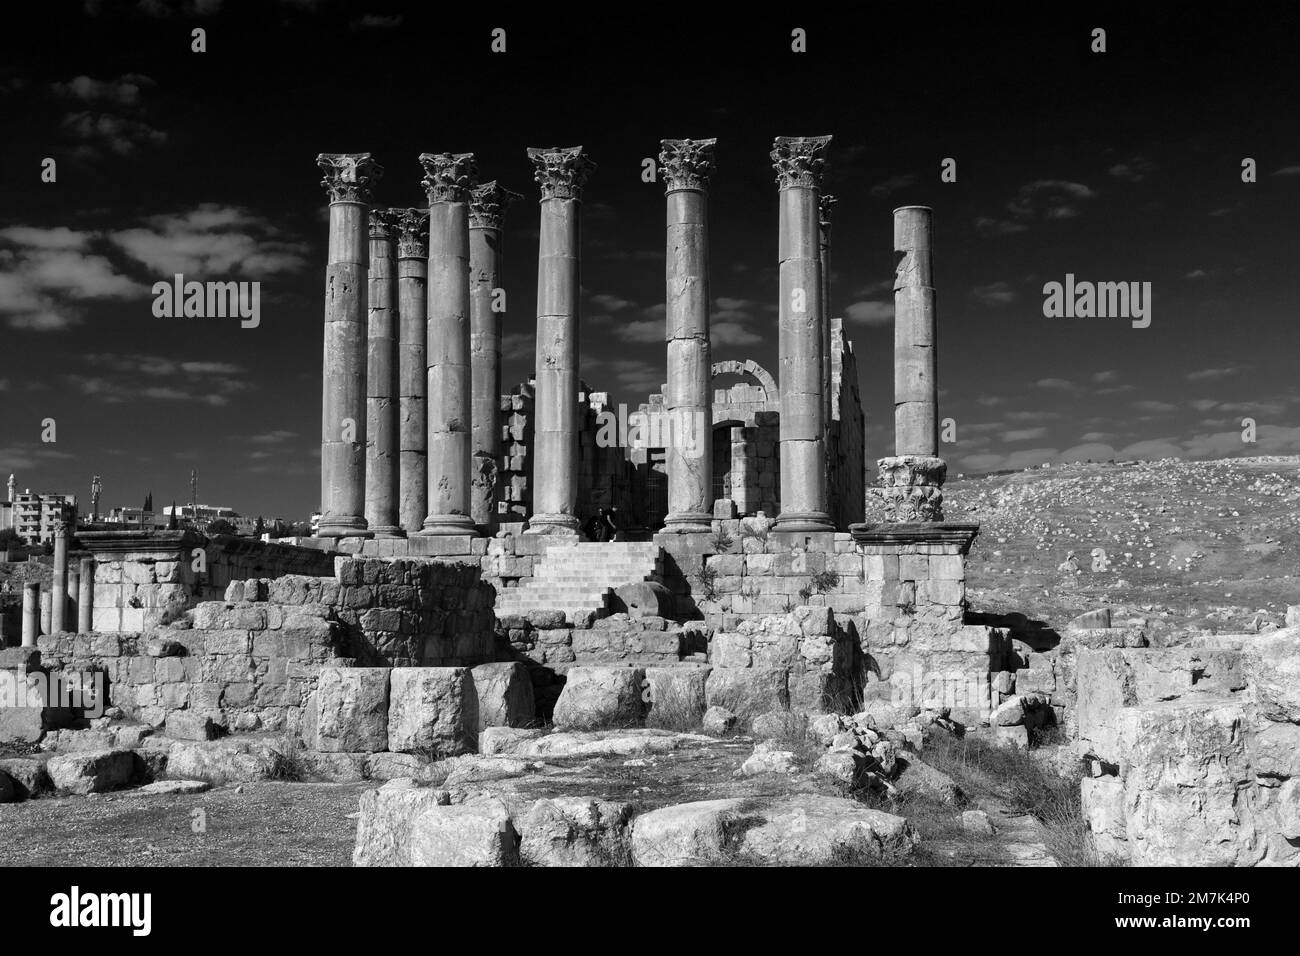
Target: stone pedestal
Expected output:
[348,180]
[59,584]
[799,165]
[86,596]
[381,377]
[31,613]
[487,208]
[561,174]
[412,368]
[448,180]
[686,166]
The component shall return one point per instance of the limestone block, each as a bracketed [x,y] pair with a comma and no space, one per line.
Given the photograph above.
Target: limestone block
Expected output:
[676,695]
[688,834]
[416,826]
[596,697]
[1271,664]
[815,830]
[349,711]
[190,725]
[503,695]
[431,711]
[576,831]
[747,692]
[92,772]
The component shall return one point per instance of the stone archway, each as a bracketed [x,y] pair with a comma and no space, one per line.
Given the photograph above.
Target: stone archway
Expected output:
[753,370]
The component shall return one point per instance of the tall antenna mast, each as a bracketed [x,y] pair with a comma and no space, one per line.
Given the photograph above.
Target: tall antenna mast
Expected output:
[194,494]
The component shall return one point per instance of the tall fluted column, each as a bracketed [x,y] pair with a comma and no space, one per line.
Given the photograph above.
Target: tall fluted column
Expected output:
[561,174]
[59,585]
[86,597]
[381,377]
[799,164]
[348,179]
[448,180]
[412,369]
[31,613]
[911,481]
[687,166]
[487,208]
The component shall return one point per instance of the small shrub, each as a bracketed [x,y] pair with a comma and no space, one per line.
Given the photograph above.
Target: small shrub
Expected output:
[709,583]
[722,542]
[824,582]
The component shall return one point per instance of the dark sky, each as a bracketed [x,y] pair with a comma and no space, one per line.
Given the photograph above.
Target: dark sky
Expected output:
[1122,166]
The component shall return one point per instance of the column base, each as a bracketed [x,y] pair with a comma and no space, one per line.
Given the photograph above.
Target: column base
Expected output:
[449,524]
[553,524]
[803,521]
[342,526]
[911,487]
[388,531]
[688,522]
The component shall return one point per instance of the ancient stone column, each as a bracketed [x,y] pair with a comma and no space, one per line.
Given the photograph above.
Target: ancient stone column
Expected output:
[59,585]
[47,613]
[799,164]
[412,369]
[448,180]
[911,481]
[348,180]
[86,597]
[381,377]
[686,166]
[824,247]
[561,174]
[487,208]
[31,613]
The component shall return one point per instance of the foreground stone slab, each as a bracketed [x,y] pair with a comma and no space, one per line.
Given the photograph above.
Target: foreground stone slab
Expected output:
[349,711]
[677,695]
[174,787]
[576,831]
[595,697]
[404,826]
[811,830]
[431,711]
[606,743]
[229,760]
[506,740]
[688,834]
[94,772]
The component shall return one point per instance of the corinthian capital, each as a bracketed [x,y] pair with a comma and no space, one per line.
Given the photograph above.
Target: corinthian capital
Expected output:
[383,223]
[412,233]
[799,160]
[448,177]
[561,172]
[349,177]
[687,163]
[488,204]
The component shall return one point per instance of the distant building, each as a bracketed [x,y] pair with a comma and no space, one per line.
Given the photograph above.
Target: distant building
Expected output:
[200,516]
[32,516]
[136,519]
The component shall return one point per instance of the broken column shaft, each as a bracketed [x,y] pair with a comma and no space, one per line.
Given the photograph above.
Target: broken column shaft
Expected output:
[31,613]
[799,164]
[86,597]
[348,179]
[911,481]
[561,174]
[59,583]
[448,180]
[686,166]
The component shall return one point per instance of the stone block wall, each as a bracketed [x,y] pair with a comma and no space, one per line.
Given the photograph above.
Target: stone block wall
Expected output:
[251,662]
[1193,752]
[807,650]
[146,578]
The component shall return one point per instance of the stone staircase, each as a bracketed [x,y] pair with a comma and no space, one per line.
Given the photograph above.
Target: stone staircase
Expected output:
[579,578]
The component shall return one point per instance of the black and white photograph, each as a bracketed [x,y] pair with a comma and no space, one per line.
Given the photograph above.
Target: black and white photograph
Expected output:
[650,436]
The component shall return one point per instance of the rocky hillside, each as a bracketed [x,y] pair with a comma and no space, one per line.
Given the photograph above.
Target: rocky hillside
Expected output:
[1208,545]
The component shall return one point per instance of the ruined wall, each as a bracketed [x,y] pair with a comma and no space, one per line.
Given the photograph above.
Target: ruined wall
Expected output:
[1194,752]
[250,662]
